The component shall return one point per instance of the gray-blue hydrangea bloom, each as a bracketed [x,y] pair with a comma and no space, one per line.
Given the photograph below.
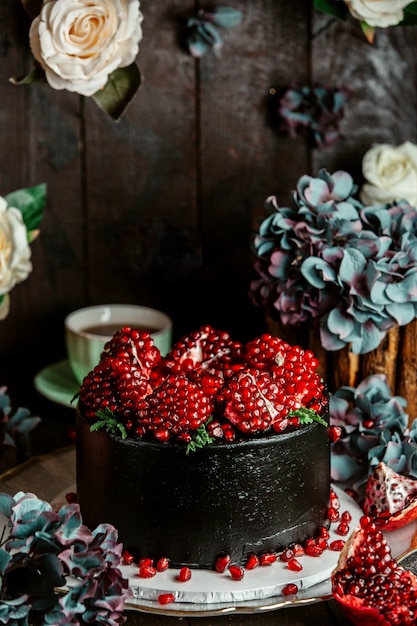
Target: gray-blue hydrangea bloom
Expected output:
[351,267]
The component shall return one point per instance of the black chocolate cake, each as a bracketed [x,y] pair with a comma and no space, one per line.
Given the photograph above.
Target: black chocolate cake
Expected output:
[218,448]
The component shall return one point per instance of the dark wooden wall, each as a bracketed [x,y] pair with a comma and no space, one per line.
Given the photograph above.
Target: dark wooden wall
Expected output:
[159,209]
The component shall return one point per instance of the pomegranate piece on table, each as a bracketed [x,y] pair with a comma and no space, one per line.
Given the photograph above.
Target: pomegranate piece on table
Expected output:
[371,587]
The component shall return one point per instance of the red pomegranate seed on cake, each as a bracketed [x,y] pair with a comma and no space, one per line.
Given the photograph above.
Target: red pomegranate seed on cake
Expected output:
[146,571]
[184,574]
[267,559]
[236,572]
[287,555]
[222,563]
[332,514]
[166,598]
[252,562]
[342,529]
[290,590]
[127,557]
[294,565]
[335,432]
[162,564]
[336,545]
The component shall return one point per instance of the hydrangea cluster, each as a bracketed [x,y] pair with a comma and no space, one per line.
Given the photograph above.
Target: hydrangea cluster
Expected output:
[332,259]
[313,111]
[14,428]
[202,29]
[374,428]
[54,570]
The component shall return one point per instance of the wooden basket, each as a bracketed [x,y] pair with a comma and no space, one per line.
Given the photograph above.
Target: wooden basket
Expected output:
[395,357]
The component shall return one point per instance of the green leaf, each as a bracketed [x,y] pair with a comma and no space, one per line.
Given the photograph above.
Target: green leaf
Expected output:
[109,423]
[119,90]
[410,15]
[31,203]
[200,438]
[307,416]
[332,7]
[36,75]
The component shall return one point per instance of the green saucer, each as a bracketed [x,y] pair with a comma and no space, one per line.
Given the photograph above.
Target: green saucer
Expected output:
[57,383]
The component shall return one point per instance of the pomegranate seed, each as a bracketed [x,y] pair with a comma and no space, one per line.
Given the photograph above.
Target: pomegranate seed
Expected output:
[287,555]
[145,560]
[342,529]
[184,574]
[222,563]
[71,497]
[166,598]
[346,517]
[236,572]
[335,432]
[298,549]
[290,589]
[294,565]
[267,559]
[334,500]
[127,557]
[146,571]
[323,532]
[162,564]
[313,550]
[252,562]
[332,514]
[336,545]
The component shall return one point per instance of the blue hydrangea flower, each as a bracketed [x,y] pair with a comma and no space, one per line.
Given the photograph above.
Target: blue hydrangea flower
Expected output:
[353,268]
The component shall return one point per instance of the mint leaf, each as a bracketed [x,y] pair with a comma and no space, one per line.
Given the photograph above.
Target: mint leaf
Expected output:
[200,438]
[307,416]
[109,423]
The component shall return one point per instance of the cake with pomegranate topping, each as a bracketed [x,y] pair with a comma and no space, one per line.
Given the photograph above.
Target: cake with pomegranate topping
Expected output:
[220,448]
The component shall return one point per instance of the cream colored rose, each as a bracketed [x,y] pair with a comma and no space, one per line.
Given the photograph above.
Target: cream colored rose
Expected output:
[15,253]
[80,42]
[391,174]
[378,13]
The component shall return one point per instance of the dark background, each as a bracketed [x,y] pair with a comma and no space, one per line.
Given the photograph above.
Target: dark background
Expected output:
[160,208]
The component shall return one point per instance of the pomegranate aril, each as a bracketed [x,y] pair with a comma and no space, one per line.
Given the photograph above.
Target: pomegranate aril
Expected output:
[236,572]
[290,589]
[267,559]
[287,555]
[184,574]
[166,598]
[222,563]
[127,558]
[146,571]
[342,529]
[162,564]
[332,514]
[294,565]
[336,545]
[252,562]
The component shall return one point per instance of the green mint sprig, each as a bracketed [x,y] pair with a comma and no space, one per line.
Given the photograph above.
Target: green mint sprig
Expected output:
[307,416]
[200,438]
[108,422]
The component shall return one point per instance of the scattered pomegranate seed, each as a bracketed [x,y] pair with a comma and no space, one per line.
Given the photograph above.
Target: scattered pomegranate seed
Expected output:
[335,432]
[332,514]
[166,598]
[145,560]
[72,435]
[298,549]
[267,559]
[294,565]
[334,500]
[162,564]
[184,574]
[252,562]
[127,557]
[313,550]
[323,532]
[146,571]
[346,517]
[290,590]
[336,545]
[222,563]
[71,497]
[236,572]
[342,529]
[287,555]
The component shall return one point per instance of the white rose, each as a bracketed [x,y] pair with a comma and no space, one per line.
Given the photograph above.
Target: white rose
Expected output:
[80,42]
[15,253]
[378,13]
[391,174]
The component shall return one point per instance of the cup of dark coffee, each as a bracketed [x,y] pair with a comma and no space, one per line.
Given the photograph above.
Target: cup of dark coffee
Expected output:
[88,329]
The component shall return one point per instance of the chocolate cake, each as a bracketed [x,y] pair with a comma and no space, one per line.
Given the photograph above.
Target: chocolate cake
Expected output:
[192,488]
